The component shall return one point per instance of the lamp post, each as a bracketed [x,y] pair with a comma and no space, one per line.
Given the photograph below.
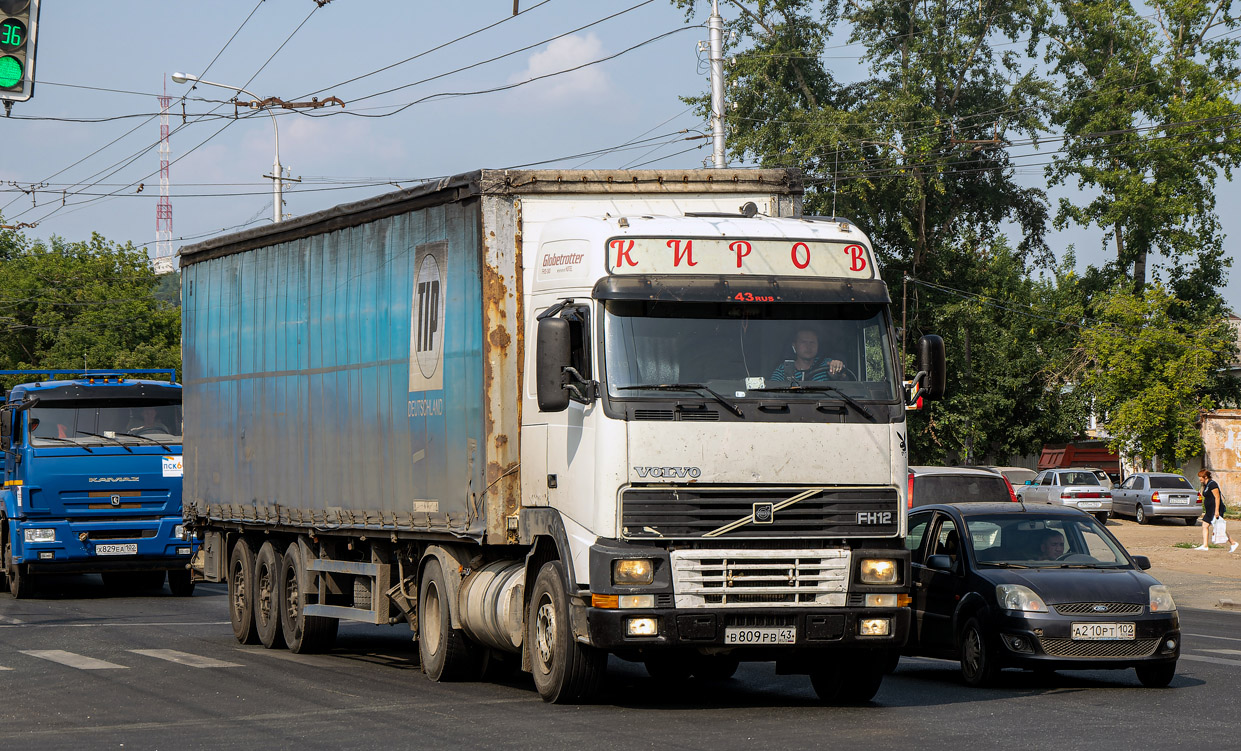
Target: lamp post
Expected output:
[277,171]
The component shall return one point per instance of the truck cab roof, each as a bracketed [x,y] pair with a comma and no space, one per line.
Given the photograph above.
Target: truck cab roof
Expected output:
[93,387]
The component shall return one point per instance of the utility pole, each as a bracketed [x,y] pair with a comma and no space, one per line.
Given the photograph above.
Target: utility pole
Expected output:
[716,25]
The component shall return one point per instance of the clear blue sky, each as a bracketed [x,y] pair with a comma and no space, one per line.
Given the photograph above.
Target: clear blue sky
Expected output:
[130,48]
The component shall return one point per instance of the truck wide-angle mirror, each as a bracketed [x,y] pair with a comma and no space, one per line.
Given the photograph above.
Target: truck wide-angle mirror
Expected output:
[932,360]
[552,355]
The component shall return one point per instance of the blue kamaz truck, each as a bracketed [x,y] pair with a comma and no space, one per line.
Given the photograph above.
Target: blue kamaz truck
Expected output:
[92,480]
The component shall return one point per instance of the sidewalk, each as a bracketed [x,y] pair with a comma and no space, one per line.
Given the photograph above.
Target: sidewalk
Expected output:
[1197,578]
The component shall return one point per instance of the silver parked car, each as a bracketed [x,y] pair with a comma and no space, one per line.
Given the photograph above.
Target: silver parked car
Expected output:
[1079,488]
[1150,495]
[1015,475]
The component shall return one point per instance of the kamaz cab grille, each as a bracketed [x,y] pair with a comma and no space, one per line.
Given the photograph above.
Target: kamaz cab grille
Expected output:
[759,578]
[701,511]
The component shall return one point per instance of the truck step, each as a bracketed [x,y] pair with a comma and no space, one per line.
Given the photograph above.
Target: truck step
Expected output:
[344,613]
[343,567]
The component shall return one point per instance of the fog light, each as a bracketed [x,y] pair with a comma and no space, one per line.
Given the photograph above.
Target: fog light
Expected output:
[183,551]
[46,555]
[642,627]
[1017,643]
[40,535]
[1169,645]
[637,601]
[880,601]
[874,627]
[633,571]
[878,571]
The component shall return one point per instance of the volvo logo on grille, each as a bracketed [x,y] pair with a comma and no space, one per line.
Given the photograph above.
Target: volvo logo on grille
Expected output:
[116,500]
[764,513]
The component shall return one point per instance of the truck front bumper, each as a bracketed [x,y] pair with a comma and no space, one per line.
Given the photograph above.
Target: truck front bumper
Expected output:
[813,628]
[97,546]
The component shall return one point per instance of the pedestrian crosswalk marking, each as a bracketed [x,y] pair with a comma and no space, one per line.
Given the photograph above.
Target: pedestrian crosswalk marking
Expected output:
[1216,660]
[185,658]
[1221,651]
[72,660]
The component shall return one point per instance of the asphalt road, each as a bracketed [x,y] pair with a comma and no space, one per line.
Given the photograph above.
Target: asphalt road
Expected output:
[80,669]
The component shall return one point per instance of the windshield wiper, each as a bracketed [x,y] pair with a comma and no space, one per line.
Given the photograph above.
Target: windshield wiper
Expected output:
[688,387]
[107,438]
[62,440]
[816,386]
[161,444]
[1002,564]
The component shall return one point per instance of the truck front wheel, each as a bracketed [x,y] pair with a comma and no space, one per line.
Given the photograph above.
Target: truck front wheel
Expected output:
[241,592]
[852,680]
[303,633]
[180,583]
[565,671]
[267,596]
[21,585]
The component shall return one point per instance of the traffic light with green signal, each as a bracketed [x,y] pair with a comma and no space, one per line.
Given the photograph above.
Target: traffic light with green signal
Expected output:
[19,21]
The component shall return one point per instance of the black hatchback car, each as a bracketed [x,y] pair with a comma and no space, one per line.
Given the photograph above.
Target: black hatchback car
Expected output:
[1033,586]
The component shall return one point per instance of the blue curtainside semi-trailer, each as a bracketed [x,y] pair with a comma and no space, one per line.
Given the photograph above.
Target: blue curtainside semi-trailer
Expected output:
[547,416]
[92,480]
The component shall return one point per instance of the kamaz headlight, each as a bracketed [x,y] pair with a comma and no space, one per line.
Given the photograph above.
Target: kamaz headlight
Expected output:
[878,571]
[40,535]
[633,571]
[1161,600]
[1019,597]
[179,532]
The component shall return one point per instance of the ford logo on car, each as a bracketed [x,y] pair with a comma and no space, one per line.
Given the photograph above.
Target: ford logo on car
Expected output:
[112,479]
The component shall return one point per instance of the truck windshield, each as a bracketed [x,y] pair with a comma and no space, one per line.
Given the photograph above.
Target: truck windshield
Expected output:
[99,422]
[757,351]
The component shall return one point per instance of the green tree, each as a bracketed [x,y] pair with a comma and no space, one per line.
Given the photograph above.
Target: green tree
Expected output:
[1151,374]
[1150,120]
[90,304]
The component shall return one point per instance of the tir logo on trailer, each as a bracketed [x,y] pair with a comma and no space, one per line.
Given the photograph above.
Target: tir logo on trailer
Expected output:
[426,334]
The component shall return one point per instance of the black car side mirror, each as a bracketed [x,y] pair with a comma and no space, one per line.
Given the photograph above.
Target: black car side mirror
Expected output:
[1143,562]
[939,562]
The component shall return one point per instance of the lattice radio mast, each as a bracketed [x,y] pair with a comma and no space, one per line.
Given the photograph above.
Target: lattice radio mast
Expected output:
[163,263]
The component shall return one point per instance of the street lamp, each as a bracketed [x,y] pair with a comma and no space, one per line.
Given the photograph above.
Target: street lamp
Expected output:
[277,172]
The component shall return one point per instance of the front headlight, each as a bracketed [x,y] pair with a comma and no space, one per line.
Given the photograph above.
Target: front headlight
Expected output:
[1161,600]
[633,571]
[179,532]
[1019,597]
[40,535]
[878,571]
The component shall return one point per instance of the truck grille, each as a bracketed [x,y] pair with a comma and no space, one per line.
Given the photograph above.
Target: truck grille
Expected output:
[1100,649]
[766,578]
[697,511]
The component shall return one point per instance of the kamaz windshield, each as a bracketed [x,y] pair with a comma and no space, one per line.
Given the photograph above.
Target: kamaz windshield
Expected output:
[96,423]
[749,351]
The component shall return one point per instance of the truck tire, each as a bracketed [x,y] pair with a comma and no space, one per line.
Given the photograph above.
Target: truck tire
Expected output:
[303,633]
[668,666]
[21,585]
[180,583]
[565,671]
[446,653]
[241,592]
[853,680]
[715,667]
[267,596]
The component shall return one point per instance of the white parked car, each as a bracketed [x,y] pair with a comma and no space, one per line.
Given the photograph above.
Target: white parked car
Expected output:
[1079,488]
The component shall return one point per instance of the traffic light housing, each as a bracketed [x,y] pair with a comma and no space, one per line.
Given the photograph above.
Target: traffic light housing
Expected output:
[19,23]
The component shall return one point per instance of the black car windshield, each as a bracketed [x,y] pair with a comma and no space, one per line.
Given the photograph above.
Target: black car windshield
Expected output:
[1036,541]
[1170,483]
[98,422]
[750,350]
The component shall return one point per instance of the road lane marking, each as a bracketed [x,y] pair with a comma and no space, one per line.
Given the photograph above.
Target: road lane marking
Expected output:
[12,620]
[4,668]
[185,658]
[80,662]
[1215,660]
[1208,636]
[120,624]
[1220,651]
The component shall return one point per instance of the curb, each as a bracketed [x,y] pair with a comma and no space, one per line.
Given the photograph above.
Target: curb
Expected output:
[1231,604]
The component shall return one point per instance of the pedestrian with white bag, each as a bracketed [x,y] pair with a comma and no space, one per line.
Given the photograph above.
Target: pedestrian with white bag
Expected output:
[1214,527]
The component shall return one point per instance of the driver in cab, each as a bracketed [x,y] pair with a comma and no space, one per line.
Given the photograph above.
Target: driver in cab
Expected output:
[806,364]
[1051,547]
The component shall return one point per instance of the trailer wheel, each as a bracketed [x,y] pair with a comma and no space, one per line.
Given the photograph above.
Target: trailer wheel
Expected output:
[267,596]
[21,585]
[180,583]
[446,653]
[241,592]
[564,670]
[303,633]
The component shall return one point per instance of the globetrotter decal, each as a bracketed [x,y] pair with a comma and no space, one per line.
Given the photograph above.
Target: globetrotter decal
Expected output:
[426,325]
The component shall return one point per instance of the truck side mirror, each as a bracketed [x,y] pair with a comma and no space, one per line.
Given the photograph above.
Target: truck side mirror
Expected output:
[553,349]
[933,361]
